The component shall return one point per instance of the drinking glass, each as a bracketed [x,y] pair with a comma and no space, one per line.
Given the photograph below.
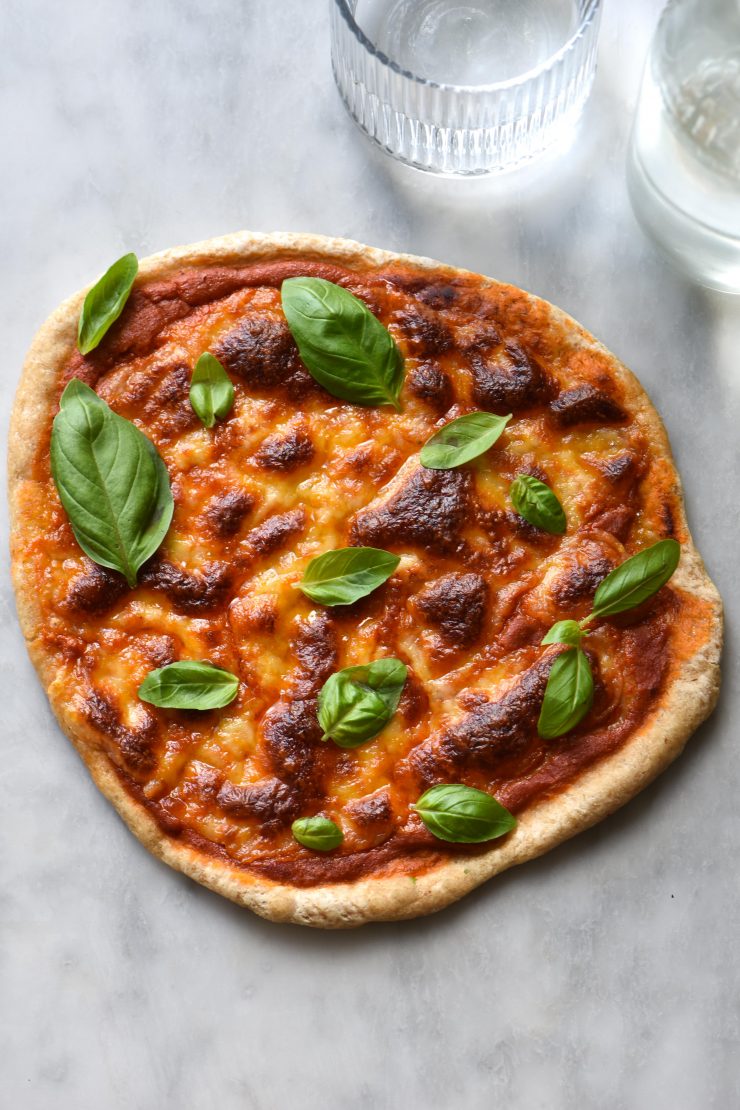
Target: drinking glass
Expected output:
[684,162]
[465,86]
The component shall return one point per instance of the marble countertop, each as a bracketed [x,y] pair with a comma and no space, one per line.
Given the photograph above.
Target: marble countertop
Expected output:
[604,976]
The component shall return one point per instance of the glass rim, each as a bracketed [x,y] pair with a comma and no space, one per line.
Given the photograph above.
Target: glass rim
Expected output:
[592,8]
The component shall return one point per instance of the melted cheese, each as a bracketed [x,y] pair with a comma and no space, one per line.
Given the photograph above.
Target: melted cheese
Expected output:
[253,629]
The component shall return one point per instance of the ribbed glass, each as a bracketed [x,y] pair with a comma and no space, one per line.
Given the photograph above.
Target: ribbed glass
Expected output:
[463,129]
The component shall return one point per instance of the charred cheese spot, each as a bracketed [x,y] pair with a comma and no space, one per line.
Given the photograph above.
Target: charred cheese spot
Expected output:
[160,651]
[315,647]
[585,404]
[201,782]
[424,334]
[617,521]
[617,468]
[456,604]
[226,512]
[136,745]
[169,401]
[255,614]
[477,338]
[294,749]
[428,511]
[521,631]
[510,381]
[270,802]
[199,592]
[581,581]
[262,352]
[294,472]
[667,517]
[373,819]
[414,701]
[437,296]
[373,810]
[571,577]
[285,450]
[96,590]
[616,510]
[487,737]
[275,532]
[429,383]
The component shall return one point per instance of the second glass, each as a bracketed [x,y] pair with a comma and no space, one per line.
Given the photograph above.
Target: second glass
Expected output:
[684,164]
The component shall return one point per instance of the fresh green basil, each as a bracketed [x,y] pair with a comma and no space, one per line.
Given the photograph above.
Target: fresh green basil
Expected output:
[569,694]
[463,815]
[564,632]
[356,703]
[347,574]
[111,481]
[318,833]
[211,391]
[462,440]
[343,346]
[189,684]
[105,302]
[637,579]
[537,503]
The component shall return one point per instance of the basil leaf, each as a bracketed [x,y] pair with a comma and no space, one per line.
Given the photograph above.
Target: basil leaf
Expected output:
[462,440]
[189,684]
[111,481]
[342,576]
[105,302]
[318,833]
[569,694]
[463,815]
[637,579]
[343,346]
[211,391]
[564,632]
[356,703]
[537,503]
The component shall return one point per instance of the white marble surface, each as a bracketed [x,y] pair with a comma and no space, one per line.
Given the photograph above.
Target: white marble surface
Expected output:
[602,976]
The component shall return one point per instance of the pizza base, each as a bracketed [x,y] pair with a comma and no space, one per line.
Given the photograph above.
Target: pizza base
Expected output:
[687,700]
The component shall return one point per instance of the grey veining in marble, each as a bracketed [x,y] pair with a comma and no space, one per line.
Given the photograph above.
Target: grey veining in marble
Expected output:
[604,976]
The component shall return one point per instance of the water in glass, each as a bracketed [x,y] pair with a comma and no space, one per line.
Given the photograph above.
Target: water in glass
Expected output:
[474,43]
[684,167]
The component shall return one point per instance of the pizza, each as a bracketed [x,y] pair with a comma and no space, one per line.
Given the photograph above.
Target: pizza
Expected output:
[350,575]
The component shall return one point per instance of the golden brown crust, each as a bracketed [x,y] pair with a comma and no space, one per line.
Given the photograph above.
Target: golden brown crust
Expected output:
[689,692]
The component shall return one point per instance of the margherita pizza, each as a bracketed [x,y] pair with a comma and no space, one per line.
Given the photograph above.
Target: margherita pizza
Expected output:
[354,578]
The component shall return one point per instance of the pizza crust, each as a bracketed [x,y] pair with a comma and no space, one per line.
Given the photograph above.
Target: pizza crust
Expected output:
[688,699]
